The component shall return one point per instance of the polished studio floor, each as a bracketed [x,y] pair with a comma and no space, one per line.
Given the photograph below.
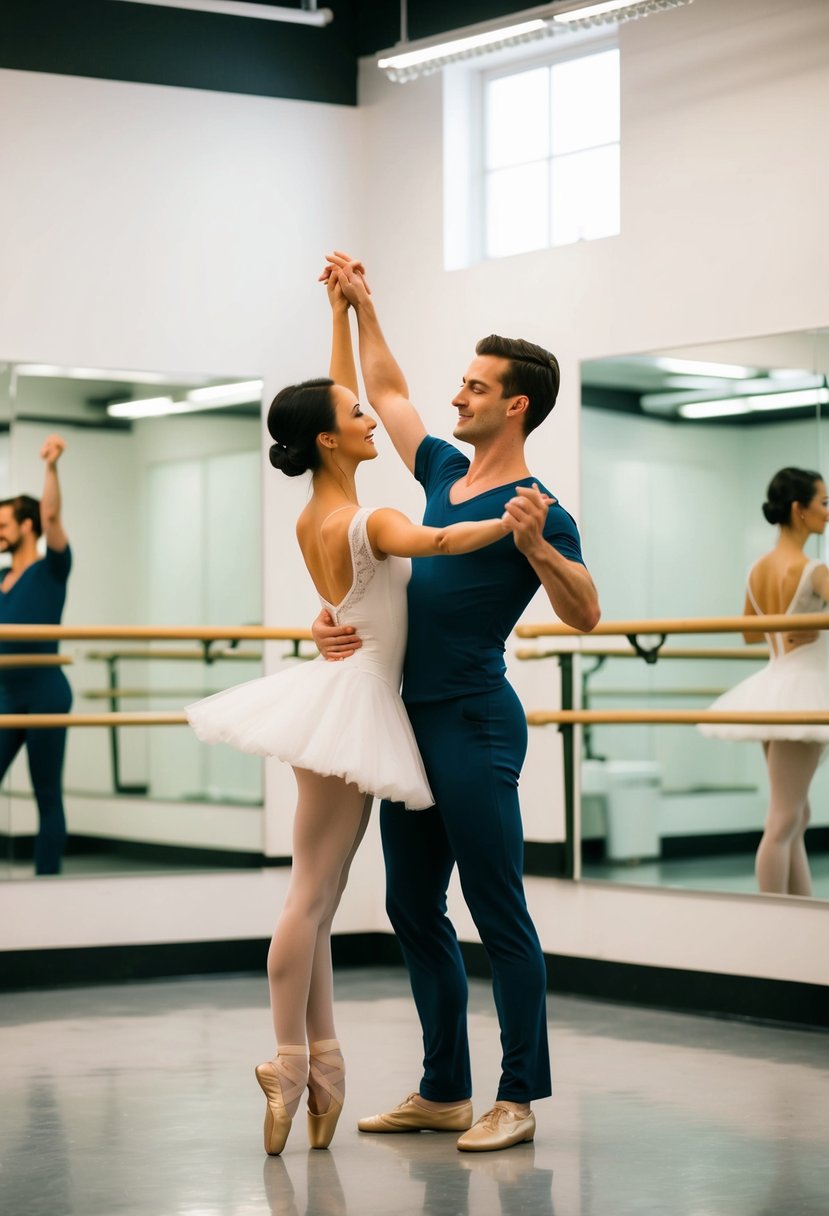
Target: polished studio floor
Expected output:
[140,1100]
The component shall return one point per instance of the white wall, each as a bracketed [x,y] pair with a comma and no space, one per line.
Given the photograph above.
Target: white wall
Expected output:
[187,228]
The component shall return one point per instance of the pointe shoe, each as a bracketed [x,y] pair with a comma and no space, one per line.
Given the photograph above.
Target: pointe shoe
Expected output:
[410,1116]
[282,1080]
[327,1076]
[499,1128]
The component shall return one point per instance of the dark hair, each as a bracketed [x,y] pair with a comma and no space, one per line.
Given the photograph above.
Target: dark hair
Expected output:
[297,415]
[533,373]
[786,488]
[25,507]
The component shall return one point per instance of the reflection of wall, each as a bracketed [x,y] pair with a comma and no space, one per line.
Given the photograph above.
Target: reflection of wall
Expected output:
[204,564]
[672,519]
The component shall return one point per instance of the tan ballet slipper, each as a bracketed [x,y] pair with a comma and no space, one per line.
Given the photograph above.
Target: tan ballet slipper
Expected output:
[283,1080]
[327,1076]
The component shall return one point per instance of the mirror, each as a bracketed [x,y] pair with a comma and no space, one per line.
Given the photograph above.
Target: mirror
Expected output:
[674,472]
[160,486]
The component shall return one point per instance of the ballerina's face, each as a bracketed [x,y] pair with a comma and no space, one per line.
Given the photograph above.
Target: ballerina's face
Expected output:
[355,430]
[815,514]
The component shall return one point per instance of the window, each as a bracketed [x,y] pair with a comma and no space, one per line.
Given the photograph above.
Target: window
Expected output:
[551,154]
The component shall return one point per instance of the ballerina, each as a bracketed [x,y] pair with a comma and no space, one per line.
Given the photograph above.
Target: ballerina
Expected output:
[342,726]
[796,677]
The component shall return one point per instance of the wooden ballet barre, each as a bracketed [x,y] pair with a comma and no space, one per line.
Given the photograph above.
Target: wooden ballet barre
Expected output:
[143,694]
[36,660]
[675,717]
[36,721]
[196,656]
[155,633]
[773,623]
[757,654]
[639,693]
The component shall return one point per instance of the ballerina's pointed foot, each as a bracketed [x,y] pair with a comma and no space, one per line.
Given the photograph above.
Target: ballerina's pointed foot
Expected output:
[326,1088]
[283,1080]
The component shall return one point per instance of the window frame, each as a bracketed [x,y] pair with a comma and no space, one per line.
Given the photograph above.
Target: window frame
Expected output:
[517,67]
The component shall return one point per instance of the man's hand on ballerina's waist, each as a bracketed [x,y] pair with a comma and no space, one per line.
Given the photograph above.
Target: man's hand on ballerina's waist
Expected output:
[334,642]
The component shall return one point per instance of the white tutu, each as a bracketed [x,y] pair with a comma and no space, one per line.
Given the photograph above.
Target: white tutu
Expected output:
[332,718]
[796,681]
[344,719]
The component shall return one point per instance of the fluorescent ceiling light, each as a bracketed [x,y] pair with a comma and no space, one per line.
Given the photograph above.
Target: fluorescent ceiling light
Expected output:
[239,8]
[57,372]
[790,401]
[725,406]
[461,48]
[212,397]
[694,367]
[215,395]
[610,10]
[149,407]
[411,60]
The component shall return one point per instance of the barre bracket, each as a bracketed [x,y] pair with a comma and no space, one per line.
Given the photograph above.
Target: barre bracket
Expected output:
[649,653]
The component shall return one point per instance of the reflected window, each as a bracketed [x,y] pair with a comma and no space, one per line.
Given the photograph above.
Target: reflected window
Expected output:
[551,154]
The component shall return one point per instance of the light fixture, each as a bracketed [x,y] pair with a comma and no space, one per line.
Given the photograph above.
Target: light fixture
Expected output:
[721,407]
[427,59]
[310,15]
[695,367]
[211,397]
[584,13]
[55,371]
[413,59]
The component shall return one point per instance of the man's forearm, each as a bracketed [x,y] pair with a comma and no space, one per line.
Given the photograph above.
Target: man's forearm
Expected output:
[381,371]
[569,587]
[50,503]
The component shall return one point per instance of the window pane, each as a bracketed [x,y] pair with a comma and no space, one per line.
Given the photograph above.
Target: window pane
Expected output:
[518,118]
[585,195]
[517,205]
[584,100]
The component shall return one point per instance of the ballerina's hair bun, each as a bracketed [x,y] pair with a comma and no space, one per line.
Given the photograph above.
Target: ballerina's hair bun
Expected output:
[298,414]
[787,487]
[287,460]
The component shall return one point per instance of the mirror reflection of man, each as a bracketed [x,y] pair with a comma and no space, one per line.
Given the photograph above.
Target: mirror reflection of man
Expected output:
[32,592]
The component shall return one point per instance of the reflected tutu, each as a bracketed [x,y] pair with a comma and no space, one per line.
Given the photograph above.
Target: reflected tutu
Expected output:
[797,681]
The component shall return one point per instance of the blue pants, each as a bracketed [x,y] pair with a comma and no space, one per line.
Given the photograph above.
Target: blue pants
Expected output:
[473,748]
[39,692]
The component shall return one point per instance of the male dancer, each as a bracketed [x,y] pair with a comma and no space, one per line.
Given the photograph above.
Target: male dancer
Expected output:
[468,722]
[32,592]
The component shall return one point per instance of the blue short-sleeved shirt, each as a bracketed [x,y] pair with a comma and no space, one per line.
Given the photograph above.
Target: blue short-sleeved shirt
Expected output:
[37,598]
[463,608]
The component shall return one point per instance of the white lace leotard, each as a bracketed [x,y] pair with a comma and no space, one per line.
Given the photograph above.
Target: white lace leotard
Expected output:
[343,719]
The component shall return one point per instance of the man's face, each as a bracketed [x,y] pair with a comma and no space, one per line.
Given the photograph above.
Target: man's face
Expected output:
[11,535]
[482,407]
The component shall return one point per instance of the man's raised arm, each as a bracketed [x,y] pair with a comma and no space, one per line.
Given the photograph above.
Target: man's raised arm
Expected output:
[386,387]
[50,504]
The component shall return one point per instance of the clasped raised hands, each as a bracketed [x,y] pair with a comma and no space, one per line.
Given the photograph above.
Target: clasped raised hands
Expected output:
[349,274]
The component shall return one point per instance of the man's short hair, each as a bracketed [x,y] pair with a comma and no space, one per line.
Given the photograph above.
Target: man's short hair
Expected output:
[25,507]
[533,373]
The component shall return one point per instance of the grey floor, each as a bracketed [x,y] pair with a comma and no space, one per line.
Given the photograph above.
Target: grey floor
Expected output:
[139,1099]
[726,872]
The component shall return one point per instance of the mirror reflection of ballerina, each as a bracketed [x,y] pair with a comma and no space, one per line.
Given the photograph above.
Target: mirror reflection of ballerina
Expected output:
[796,677]
[342,726]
